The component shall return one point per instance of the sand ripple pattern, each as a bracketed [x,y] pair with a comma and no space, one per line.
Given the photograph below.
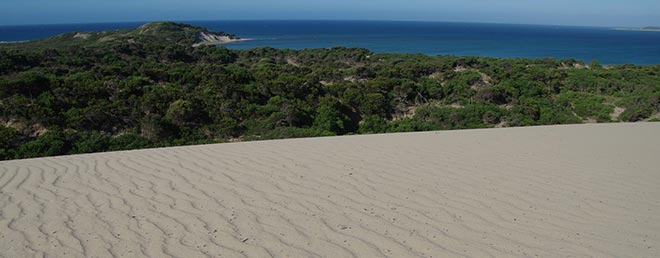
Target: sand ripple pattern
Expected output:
[561,191]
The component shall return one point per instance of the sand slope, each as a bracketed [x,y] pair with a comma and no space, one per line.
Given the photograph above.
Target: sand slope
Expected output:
[561,191]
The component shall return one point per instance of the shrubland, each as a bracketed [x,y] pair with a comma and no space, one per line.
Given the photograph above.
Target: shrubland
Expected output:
[150,87]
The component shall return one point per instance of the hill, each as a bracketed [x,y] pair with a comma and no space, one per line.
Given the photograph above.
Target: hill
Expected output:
[164,32]
[159,85]
[583,190]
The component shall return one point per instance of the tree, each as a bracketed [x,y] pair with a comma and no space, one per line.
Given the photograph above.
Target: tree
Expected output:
[154,128]
[373,124]
[374,104]
[180,113]
[330,118]
[9,138]
[92,142]
[51,143]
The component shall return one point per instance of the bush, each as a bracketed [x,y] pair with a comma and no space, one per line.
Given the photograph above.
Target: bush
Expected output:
[51,143]
[372,124]
[180,113]
[128,141]
[586,105]
[374,104]
[92,142]
[9,139]
[471,116]
[292,132]
[330,118]
[635,114]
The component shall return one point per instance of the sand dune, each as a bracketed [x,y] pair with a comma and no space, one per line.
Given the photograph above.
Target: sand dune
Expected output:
[561,191]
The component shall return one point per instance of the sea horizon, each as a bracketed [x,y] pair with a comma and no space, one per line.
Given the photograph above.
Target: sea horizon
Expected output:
[313,20]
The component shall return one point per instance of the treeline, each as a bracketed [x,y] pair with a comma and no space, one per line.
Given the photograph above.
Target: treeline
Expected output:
[128,94]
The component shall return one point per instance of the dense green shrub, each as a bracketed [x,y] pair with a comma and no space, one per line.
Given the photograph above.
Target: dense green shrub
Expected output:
[9,140]
[51,143]
[330,116]
[471,116]
[587,105]
[372,124]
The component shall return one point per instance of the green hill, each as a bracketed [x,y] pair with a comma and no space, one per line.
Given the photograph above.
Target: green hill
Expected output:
[163,32]
[149,87]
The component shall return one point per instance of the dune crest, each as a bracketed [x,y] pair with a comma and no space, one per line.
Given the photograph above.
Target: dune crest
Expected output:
[558,191]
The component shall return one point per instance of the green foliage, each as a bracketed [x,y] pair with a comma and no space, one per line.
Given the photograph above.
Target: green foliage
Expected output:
[373,124]
[534,111]
[330,117]
[9,140]
[128,141]
[373,104]
[291,132]
[459,88]
[640,106]
[587,105]
[148,87]
[431,88]
[409,125]
[51,143]
[472,116]
[180,112]
[155,128]
[91,142]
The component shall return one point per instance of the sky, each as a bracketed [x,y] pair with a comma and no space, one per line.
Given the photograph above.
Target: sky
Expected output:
[622,13]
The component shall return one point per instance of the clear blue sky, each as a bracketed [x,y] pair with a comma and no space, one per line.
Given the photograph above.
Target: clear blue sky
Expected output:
[631,13]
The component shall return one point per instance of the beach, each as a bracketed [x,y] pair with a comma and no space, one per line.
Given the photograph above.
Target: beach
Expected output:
[212,39]
[551,191]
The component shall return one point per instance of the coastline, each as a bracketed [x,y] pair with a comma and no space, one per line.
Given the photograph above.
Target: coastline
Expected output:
[220,42]
[14,42]
[615,48]
[637,29]
[210,38]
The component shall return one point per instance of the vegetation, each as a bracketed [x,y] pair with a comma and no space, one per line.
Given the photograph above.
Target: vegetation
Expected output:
[149,87]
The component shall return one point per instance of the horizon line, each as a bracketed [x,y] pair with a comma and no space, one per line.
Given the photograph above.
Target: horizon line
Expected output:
[318,20]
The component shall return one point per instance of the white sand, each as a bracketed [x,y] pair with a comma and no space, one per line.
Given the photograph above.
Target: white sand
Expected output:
[561,191]
[213,39]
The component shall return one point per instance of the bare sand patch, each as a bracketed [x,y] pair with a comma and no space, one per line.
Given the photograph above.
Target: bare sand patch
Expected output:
[579,191]
[213,39]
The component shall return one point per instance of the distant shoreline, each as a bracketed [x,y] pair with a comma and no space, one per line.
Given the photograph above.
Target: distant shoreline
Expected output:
[233,41]
[209,38]
[13,42]
[220,42]
[638,29]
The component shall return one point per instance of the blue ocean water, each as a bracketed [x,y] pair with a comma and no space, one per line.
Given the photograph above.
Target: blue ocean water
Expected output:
[606,45]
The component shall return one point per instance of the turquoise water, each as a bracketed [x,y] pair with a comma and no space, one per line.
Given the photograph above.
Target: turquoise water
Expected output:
[606,45]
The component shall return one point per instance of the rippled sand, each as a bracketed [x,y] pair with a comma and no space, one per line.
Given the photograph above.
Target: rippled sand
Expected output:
[560,191]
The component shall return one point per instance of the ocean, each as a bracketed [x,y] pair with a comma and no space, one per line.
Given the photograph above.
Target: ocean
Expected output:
[607,45]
